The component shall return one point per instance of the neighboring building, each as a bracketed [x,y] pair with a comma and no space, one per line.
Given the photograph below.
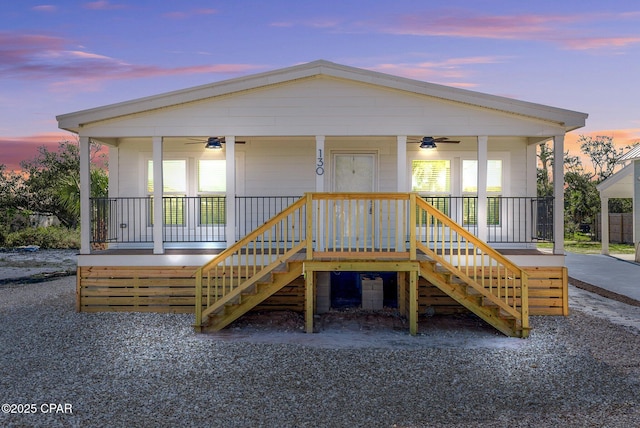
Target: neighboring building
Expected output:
[623,184]
[339,149]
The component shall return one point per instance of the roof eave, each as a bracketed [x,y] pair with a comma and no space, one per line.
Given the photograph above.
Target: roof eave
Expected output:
[570,120]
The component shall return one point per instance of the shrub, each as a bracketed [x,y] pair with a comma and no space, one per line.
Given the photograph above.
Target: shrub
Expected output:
[52,237]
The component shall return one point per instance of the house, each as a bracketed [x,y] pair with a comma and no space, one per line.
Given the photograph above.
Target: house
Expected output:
[267,191]
[623,184]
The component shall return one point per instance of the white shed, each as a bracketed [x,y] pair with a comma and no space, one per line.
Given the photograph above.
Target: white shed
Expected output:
[623,184]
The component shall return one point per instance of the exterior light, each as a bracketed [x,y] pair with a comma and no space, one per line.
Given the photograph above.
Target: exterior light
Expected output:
[213,143]
[428,143]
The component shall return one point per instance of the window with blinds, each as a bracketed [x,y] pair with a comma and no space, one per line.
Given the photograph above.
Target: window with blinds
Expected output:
[432,179]
[470,186]
[431,176]
[174,189]
[212,185]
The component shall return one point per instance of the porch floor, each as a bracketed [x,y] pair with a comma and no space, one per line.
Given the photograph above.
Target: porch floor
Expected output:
[214,251]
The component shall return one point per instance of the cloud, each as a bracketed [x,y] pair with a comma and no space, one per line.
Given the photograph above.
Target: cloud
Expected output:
[17,149]
[45,8]
[103,5]
[35,56]
[465,24]
[189,14]
[599,42]
[319,23]
[578,31]
[449,71]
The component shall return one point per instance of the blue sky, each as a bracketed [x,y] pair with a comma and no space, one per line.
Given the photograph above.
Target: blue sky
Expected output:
[62,56]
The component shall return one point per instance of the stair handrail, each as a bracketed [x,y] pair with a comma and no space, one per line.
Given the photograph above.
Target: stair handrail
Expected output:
[485,250]
[239,249]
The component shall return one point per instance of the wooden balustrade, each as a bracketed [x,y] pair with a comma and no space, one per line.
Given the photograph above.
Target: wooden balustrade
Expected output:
[366,226]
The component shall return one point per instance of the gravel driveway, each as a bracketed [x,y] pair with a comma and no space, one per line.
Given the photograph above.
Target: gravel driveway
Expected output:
[134,370]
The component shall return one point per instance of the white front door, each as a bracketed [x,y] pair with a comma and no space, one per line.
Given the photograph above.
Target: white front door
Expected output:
[354,173]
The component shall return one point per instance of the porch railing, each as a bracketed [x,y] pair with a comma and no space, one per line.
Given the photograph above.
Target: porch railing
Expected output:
[128,220]
[353,225]
[253,211]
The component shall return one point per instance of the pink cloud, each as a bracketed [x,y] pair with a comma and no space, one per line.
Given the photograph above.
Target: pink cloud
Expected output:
[461,24]
[600,42]
[450,71]
[557,29]
[28,56]
[17,149]
[103,5]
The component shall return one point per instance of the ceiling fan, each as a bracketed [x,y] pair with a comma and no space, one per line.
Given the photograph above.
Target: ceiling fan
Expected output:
[430,142]
[214,143]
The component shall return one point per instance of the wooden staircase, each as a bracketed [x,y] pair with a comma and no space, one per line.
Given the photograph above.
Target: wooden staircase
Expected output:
[242,300]
[295,243]
[475,298]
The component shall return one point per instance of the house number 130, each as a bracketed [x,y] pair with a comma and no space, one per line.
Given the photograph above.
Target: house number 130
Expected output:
[320,164]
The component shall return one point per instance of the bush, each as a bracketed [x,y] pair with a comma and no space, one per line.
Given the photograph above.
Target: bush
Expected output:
[53,237]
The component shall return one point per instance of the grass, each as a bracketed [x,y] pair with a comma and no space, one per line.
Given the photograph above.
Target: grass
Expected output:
[582,244]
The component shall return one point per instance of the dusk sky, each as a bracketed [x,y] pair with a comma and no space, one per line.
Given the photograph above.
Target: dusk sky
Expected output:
[63,56]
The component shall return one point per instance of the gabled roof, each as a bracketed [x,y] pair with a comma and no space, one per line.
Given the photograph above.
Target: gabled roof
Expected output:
[632,154]
[619,185]
[566,118]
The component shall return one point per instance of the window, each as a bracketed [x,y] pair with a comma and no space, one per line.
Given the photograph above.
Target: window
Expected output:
[174,189]
[212,183]
[470,187]
[432,179]
[431,176]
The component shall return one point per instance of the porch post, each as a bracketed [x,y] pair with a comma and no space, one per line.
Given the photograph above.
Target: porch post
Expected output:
[230,158]
[85,194]
[401,166]
[532,192]
[482,187]
[558,194]
[158,191]
[604,224]
[321,168]
[636,207]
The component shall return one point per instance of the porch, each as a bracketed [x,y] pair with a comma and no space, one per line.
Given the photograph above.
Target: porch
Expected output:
[434,258]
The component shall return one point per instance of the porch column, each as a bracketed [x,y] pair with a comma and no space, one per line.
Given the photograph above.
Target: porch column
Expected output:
[532,192]
[401,167]
[636,207]
[85,195]
[230,158]
[604,224]
[158,192]
[321,166]
[558,194]
[483,161]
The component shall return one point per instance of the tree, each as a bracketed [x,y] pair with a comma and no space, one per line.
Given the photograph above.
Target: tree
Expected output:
[50,184]
[603,155]
[545,186]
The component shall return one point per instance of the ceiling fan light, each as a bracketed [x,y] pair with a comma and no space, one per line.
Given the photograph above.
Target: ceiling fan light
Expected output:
[213,143]
[428,143]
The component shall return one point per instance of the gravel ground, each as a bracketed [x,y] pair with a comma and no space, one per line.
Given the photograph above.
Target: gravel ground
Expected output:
[134,370]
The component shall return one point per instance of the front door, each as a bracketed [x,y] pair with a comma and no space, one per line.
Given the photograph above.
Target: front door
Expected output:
[353,173]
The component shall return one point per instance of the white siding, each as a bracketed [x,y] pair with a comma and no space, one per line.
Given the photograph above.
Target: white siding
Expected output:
[322,106]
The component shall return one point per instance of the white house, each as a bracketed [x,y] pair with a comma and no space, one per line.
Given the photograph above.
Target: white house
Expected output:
[194,172]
